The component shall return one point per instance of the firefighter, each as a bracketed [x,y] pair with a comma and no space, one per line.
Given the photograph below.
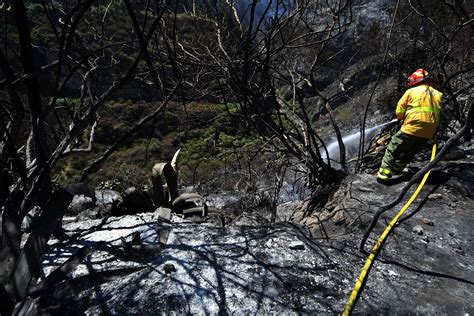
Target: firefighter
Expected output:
[419,109]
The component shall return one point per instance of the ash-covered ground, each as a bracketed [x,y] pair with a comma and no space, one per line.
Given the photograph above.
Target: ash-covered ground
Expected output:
[425,267]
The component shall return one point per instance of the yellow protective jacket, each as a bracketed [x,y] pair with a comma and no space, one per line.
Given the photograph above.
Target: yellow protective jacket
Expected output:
[420,109]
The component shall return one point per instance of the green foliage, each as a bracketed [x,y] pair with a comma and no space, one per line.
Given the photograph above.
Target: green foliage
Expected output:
[112,184]
[130,165]
[207,135]
[194,31]
[214,139]
[41,32]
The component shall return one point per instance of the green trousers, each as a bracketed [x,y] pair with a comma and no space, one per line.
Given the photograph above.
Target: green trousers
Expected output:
[400,151]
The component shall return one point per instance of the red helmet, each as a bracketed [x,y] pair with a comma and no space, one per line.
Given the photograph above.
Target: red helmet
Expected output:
[417,77]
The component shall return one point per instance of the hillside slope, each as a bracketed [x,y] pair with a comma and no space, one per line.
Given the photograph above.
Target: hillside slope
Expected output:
[426,266]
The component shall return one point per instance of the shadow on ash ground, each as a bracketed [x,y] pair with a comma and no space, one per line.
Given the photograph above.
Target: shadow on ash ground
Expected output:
[280,268]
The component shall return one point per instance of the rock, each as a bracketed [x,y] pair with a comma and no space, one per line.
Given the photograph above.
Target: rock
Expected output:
[285,210]
[365,189]
[92,213]
[79,204]
[298,245]
[107,197]
[459,250]
[418,230]
[138,249]
[81,188]
[340,217]
[427,222]
[435,196]
[247,219]
[298,215]
[169,268]
[224,200]
[455,154]
[310,221]
[108,202]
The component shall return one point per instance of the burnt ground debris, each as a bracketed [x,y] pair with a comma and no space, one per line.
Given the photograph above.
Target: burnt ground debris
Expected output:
[254,269]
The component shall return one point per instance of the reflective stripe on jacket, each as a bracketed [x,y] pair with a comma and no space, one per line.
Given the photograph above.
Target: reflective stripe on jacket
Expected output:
[420,109]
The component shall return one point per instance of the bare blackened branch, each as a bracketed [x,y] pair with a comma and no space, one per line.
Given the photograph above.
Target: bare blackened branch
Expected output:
[70,149]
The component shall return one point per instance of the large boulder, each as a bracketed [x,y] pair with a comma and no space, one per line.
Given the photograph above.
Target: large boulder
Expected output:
[108,202]
[84,197]
[79,204]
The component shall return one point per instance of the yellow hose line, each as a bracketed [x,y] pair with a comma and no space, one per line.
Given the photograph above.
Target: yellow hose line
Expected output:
[368,264]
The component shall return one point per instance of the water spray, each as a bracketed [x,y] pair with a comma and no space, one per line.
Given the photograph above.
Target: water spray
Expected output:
[352,140]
